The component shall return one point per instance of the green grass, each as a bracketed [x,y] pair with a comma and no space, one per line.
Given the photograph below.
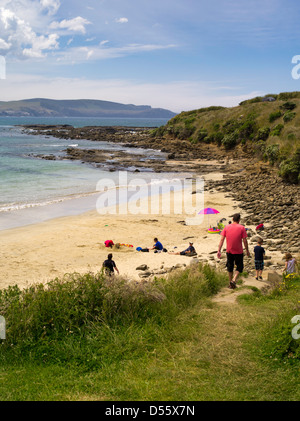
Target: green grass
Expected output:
[164,342]
[253,125]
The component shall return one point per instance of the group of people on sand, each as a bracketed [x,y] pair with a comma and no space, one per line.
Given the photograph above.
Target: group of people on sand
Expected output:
[109,264]
[236,237]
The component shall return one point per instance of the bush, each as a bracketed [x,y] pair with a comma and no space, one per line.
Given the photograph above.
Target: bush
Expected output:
[201,135]
[218,138]
[158,132]
[263,133]
[274,116]
[288,116]
[272,153]
[288,106]
[231,126]
[185,132]
[284,96]
[277,130]
[247,129]
[252,101]
[289,170]
[229,141]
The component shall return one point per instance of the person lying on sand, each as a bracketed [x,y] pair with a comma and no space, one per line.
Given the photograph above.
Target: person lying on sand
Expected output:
[187,252]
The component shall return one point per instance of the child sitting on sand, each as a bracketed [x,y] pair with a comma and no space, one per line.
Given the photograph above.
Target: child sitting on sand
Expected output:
[290,264]
[259,253]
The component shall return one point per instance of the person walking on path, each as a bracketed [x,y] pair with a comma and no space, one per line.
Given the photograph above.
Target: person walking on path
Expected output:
[259,253]
[109,265]
[236,236]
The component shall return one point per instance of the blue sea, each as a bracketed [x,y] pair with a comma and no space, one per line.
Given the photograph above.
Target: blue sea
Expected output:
[33,190]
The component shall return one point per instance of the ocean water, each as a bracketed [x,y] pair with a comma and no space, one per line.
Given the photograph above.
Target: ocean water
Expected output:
[33,190]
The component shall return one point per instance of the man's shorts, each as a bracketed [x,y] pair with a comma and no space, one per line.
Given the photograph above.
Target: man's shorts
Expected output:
[259,264]
[237,259]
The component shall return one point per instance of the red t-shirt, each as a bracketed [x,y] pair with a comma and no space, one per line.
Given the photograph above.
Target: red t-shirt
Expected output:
[234,233]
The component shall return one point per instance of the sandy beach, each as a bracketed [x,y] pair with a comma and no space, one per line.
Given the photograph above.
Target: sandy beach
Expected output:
[41,252]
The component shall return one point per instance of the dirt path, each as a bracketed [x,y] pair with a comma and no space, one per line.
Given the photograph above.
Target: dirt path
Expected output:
[229,296]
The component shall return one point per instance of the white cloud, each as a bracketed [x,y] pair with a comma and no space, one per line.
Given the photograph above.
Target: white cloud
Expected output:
[121,20]
[4,45]
[75,25]
[80,54]
[51,5]
[20,39]
[40,44]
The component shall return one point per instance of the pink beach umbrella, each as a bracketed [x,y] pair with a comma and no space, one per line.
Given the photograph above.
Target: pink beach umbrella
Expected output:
[208,211]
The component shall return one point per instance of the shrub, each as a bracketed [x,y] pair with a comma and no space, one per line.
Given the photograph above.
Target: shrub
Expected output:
[284,96]
[247,129]
[158,132]
[231,126]
[288,106]
[218,138]
[189,121]
[252,101]
[277,130]
[272,153]
[274,116]
[263,133]
[288,116]
[201,135]
[185,132]
[229,141]
[289,170]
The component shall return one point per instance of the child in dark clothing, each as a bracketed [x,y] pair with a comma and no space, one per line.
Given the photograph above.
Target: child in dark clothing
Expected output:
[259,253]
[109,265]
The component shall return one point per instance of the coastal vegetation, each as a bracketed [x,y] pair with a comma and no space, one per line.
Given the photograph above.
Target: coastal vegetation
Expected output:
[268,127]
[85,337]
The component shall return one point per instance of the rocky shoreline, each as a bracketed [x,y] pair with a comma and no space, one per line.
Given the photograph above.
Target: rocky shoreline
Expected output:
[262,195]
[176,155]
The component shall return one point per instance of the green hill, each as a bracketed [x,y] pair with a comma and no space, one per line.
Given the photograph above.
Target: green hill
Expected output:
[269,127]
[41,107]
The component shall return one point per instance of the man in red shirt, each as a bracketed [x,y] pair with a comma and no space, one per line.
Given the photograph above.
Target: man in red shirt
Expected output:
[236,236]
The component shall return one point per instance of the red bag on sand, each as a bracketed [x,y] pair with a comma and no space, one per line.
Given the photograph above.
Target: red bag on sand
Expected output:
[108,243]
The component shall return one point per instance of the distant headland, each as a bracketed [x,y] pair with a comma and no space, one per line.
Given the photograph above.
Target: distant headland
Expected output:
[42,107]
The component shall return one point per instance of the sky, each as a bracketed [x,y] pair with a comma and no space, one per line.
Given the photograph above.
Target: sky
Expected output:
[175,54]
